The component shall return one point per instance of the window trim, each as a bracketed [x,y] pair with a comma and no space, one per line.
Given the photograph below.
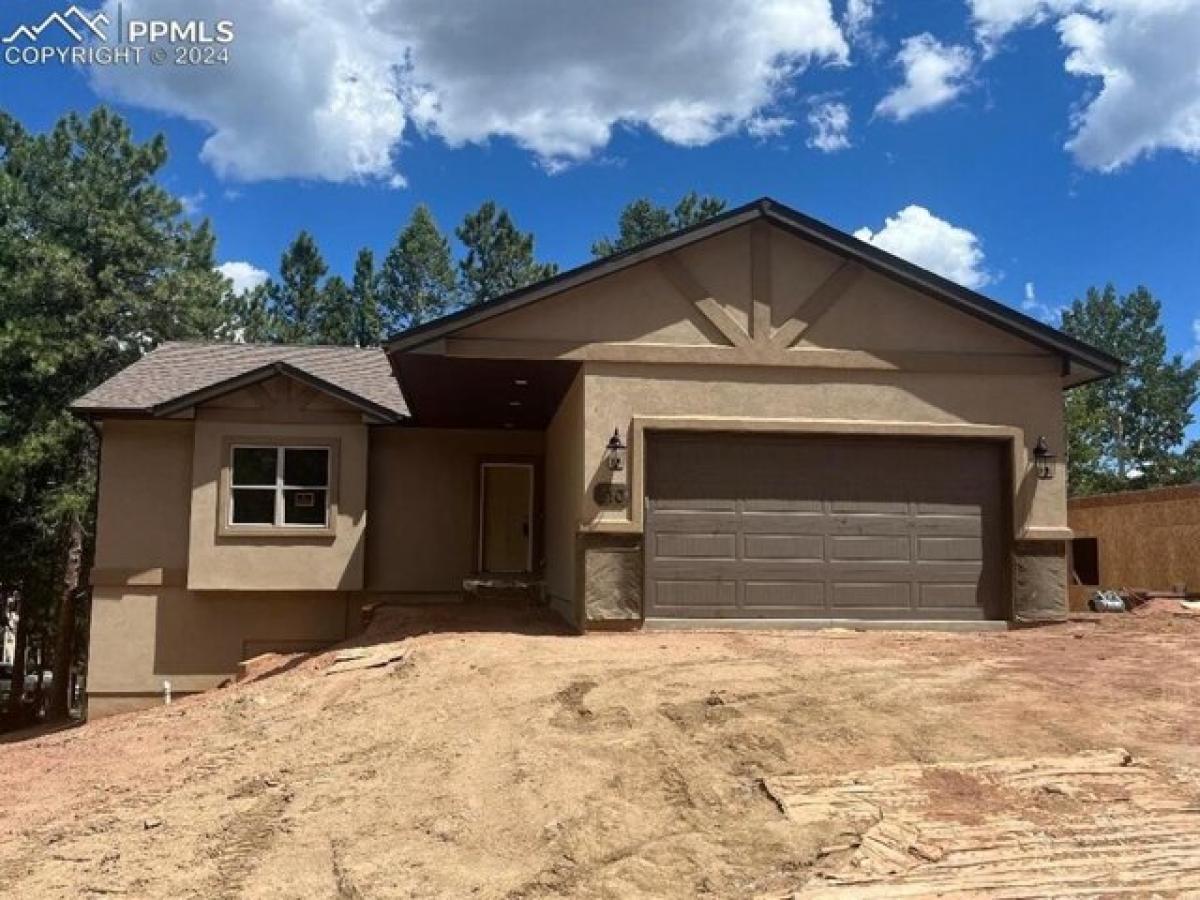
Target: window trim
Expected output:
[226,527]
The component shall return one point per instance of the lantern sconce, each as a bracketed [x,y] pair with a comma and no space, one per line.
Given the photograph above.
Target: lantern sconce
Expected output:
[614,452]
[1043,459]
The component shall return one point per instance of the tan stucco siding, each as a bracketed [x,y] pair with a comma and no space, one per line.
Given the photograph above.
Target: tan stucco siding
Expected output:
[145,492]
[424,504]
[564,484]
[142,637]
[274,562]
[625,308]
[618,394]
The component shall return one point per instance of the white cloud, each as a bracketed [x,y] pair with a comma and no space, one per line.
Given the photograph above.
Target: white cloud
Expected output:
[1193,355]
[830,123]
[763,127]
[1140,59]
[934,74]
[245,277]
[858,17]
[325,89]
[310,90]
[1039,310]
[920,237]
[993,19]
[193,204]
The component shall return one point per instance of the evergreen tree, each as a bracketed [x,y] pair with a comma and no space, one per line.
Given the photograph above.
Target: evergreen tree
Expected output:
[97,266]
[336,317]
[368,324]
[295,299]
[416,283]
[643,220]
[499,256]
[1128,431]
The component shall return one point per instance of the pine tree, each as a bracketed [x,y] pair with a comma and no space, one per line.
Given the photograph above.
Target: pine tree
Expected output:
[416,283]
[499,257]
[336,317]
[368,323]
[97,266]
[1128,431]
[295,298]
[643,220]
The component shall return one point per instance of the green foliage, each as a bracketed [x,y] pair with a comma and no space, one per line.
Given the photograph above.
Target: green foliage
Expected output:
[295,299]
[336,315]
[97,266]
[644,220]
[417,283]
[1128,431]
[499,256]
[364,294]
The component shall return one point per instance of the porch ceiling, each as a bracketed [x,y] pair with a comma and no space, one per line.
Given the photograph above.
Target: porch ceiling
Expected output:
[445,392]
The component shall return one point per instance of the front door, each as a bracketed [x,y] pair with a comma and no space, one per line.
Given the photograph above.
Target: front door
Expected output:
[506,512]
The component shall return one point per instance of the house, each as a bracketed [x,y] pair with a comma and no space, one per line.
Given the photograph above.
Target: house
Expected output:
[1144,540]
[756,419]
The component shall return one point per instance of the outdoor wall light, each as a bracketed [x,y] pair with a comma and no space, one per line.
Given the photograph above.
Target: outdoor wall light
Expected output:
[1043,459]
[614,452]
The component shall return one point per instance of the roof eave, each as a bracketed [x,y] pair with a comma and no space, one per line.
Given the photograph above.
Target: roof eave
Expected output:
[177,405]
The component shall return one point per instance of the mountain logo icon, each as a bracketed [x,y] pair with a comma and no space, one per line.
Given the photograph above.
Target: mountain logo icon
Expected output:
[74,22]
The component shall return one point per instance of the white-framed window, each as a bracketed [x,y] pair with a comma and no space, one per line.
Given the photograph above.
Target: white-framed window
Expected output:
[279,486]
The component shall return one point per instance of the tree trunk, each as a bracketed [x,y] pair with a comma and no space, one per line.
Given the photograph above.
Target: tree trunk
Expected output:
[64,645]
[12,716]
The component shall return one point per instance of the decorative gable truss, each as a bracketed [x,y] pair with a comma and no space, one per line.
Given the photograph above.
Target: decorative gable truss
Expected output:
[798,313]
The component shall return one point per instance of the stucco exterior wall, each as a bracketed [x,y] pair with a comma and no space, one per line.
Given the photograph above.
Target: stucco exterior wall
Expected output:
[564,484]
[145,494]
[424,501]
[618,394]
[157,538]
[143,636]
[276,562]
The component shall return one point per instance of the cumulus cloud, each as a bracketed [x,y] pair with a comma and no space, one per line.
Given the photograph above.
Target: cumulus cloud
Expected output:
[917,235]
[245,276]
[328,88]
[830,124]
[1140,61]
[934,74]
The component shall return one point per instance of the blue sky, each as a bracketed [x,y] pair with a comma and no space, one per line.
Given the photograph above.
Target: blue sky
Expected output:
[1027,147]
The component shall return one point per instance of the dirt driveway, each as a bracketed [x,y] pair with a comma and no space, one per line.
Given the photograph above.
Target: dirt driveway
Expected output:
[507,765]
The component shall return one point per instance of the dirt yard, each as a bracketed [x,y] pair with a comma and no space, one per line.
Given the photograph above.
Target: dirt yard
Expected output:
[496,764]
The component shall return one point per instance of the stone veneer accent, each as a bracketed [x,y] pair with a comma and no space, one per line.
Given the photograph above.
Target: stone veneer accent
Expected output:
[1039,584]
[612,577]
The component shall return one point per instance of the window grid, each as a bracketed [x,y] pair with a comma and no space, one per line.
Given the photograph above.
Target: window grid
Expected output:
[279,487]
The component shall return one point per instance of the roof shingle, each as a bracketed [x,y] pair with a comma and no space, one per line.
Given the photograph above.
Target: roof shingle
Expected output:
[177,369]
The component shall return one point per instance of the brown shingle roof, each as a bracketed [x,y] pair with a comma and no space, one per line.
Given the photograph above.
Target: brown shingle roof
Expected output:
[177,370]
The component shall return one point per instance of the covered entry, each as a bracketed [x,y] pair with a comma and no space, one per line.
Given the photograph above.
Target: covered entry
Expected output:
[789,526]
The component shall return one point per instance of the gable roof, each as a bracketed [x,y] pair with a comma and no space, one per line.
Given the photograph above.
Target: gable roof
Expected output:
[1073,350]
[179,374]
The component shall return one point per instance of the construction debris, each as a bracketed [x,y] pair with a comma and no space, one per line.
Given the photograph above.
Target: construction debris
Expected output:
[368,658]
[1092,824]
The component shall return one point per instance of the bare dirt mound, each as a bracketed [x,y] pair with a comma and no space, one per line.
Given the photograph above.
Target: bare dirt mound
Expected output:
[476,761]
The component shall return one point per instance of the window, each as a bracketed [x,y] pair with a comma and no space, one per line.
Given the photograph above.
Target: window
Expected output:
[279,487]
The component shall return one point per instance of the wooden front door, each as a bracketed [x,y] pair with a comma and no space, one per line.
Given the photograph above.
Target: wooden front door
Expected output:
[506,518]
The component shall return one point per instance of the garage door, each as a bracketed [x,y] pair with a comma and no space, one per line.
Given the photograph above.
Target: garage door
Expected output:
[767,526]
